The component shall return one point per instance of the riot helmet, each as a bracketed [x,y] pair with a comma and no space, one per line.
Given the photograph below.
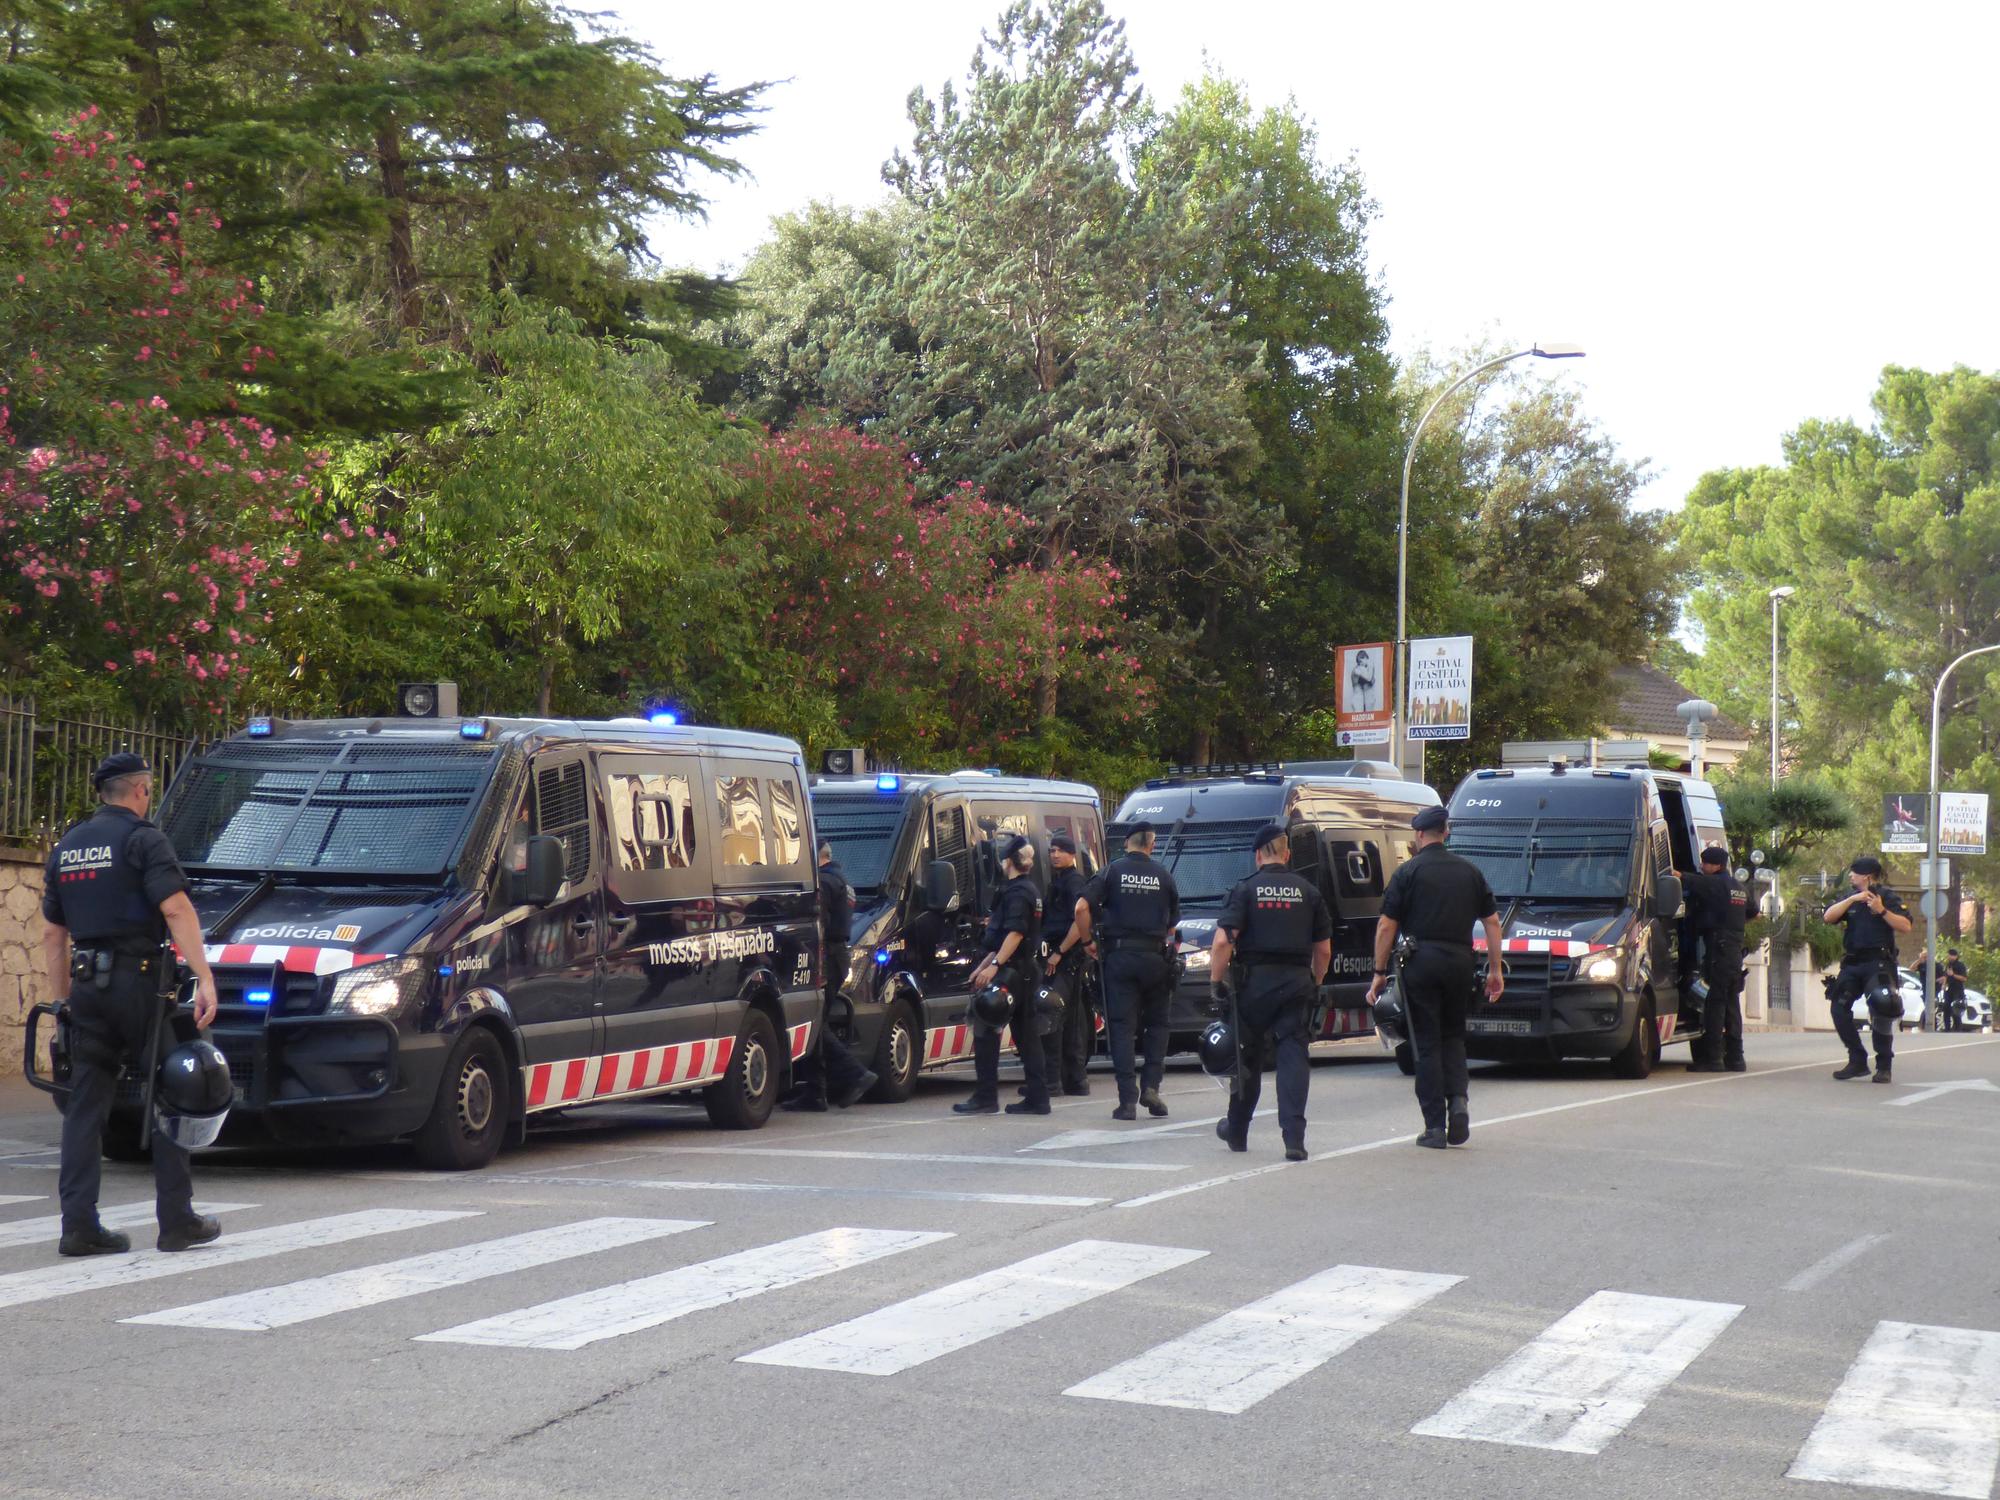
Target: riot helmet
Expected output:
[1048,1010]
[1217,1048]
[992,1006]
[192,1094]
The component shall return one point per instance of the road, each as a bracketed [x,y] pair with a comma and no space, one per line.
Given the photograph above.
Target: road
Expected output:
[1733,1285]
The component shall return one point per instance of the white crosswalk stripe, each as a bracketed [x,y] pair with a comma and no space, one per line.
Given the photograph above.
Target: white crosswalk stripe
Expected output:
[1581,1383]
[11,1198]
[365,1286]
[572,1322]
[968,1312]
[122,1216]
[104,1272]
[1231,1364]
[1918,1411]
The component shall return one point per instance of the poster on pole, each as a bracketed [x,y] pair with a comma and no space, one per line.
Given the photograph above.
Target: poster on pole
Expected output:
[1441,688]
[1904,820]
[1961,822]
[1367,677]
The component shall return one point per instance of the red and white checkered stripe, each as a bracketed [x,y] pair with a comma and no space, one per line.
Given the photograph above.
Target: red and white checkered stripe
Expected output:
[801,1040]
[1560,947]
[294,960]
[649,1070]
[947,1044]
[1348,1021]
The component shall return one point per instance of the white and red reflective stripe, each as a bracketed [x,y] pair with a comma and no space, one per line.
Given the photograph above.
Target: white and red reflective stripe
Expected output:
[946,1044]
[647,1070]
[801,1039]
[1347,1022]
[320,961]
[1559,947]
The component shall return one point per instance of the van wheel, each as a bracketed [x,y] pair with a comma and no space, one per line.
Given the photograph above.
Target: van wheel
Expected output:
[469,1119]
[896,1057]
[1637,1057]
[121,1138]
[742,1099]
[1406,1059]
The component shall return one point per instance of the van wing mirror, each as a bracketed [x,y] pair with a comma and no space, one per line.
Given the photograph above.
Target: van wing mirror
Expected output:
[539,880]
[941,886]
[1667,897]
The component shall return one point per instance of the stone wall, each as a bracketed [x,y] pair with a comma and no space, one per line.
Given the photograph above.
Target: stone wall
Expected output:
[22,982]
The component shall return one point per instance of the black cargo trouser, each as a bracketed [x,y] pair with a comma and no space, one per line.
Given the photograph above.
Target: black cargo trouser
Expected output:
[1857,972]
[831,1064]
[1138,987]
[1271,1018]
[1070,1048]
[1437,987]
[1722,1015]
[108,1027]
[1021,983]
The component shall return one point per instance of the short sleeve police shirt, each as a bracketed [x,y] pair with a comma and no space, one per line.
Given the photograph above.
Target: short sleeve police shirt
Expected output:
[1017,909]
[97,907]
[1438,897]
[1868,933]
[1274,914]
[1135,897]
[1720,905]
[1059,911]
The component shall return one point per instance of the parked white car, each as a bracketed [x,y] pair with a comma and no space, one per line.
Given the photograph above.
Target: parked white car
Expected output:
[1977,1014]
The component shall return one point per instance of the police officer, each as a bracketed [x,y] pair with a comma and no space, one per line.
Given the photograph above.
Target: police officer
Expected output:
[1872,915]
[1132,907]
[113,892]
[831,1065]
[1435,900]
[1720,907]
[1064,957]
[1955,976]
[1278,929]
[1013,935]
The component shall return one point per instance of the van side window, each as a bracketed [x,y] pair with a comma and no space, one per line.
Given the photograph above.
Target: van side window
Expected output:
[562,811]
[652,820]
[739,821]
[953,844]
[1357,866]
[788,828]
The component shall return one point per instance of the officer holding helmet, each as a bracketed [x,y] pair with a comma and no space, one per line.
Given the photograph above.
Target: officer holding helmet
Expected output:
[1133,907]
[1872,916]
[1012,939]
[1720,908]
[1070,1048]
[1278,928]
[113,893]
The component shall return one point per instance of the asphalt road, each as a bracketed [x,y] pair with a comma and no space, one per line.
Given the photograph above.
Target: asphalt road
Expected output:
[1735,1285]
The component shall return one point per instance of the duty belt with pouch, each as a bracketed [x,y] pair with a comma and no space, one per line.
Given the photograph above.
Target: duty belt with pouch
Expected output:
[94,964]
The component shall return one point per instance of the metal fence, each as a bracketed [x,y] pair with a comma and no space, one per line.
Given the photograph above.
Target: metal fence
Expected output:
[45,765]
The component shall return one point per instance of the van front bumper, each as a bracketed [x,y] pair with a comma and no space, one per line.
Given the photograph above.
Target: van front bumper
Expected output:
[1585,1020]
[346,1078]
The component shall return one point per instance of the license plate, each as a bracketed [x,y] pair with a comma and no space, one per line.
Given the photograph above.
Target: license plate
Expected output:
[1502,1028]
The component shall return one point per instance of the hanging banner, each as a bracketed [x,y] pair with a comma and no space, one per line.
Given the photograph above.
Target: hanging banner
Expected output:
[1441,688]
[1961,822]
[1367,676]
[1904,815]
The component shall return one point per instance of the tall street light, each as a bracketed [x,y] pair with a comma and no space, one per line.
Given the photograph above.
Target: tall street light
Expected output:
[1778,596]
[1402,685]
[1933,887]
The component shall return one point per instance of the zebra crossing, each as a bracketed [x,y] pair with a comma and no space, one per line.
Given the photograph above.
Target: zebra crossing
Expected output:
[1918,1410]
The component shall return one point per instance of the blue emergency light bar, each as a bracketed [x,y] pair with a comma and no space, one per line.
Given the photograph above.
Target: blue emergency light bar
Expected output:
[260,728]
[888,781]
[881,955]
[663,718]
[256,997]
[472,729]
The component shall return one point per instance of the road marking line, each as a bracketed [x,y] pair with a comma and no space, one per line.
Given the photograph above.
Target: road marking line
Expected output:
[9,1198]
[1231,1364]
[1826,1265]
[109,1271]
[365,1286]
[928,1156]
[123,1216]
[572,1322]
[1934,1090]
[1919,1410]
[1148,1134]
[1478,1124]
[696,1185]
[1582,1382]
[968,1312]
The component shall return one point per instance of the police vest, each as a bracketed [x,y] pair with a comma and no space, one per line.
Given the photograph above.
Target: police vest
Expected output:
[1277,914]
[92,878]
[1018,908]
[1138,900]
[1868,935]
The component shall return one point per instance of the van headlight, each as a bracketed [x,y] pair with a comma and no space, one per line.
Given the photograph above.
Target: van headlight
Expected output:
[1603,969]
[379,989]
[1194,958]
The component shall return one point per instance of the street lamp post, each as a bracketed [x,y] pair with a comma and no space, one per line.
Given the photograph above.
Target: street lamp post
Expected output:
[1398,746]
[1778,596]
[1933,887]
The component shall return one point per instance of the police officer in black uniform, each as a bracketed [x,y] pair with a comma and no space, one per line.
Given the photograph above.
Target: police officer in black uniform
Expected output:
[1435,900]
[1278,929]
[1872,915]
[1133,907]
[113,892]
[830,1065]
[1720,907]
[1953,1002]
[1064,958]
[1013,936]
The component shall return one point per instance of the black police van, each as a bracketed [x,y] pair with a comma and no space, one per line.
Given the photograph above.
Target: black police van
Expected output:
[439,927]
[1350,822]
[920,852]
[1581,858]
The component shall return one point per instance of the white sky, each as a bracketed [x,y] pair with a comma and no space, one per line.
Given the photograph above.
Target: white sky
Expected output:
[1743,211]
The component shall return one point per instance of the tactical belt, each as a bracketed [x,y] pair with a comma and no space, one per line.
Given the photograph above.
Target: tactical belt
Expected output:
[1869,956]
[1276,960]
[1152,944]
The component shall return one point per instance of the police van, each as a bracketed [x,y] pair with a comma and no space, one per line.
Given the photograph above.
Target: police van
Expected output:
[920,851]
[1580,843]
[437,928]
[1350,823]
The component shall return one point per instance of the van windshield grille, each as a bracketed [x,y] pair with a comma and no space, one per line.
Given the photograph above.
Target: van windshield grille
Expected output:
[1577,859]
[862,831]
[1209,858]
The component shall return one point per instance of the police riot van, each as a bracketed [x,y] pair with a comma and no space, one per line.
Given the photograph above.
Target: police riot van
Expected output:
[1350,823]
[920,851]
[437,927]
[1580,844]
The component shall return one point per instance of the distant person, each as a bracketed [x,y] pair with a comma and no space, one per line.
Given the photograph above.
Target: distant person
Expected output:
[1134,908]
[1065,959]
[830,1074]
[1013,937]
[1872,915]
[1720,908]
[1955,976]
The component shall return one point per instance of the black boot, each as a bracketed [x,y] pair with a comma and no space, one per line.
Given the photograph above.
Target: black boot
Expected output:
[96,1240]
[1857,1067]
[1233,1142]
[976,1106]
[1458,1123]
[1155,1105]
[196,1231]
[1434,1137]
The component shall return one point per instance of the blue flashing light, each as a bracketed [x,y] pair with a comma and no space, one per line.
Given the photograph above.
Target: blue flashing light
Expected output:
[444,971]
[663,718]
[888,781]
[256,997]
[472,729]
[260,728]
[881,955]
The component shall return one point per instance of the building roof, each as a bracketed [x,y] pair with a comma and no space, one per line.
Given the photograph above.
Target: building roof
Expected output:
[1647,698]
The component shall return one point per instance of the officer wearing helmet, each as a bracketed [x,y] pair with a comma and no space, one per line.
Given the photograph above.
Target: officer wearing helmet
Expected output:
[1012,940]
[1278,928]
[1133,907]
[1720,906]
[1871,915]
[113,893]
